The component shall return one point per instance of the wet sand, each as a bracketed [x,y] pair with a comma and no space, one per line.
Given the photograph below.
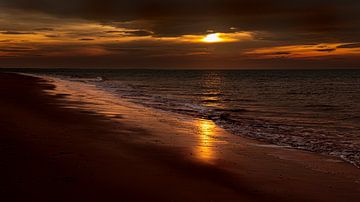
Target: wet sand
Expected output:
[52,153]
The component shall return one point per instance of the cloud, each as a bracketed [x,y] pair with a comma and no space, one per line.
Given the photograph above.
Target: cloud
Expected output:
[179,17]
[352,45]
[5,41]
[52,35]
[86,39]
[326,50]
[282,53]
[164,33]
[138,33]
[11,50]
[44,29]
[16,33]
[303,51]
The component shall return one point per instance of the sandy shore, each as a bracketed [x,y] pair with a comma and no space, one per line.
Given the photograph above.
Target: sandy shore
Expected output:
[52,153]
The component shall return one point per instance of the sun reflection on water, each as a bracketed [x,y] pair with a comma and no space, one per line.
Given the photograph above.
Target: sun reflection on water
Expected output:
[205,149]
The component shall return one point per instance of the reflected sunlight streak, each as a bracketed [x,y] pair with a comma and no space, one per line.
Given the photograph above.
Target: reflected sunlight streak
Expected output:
[205,150]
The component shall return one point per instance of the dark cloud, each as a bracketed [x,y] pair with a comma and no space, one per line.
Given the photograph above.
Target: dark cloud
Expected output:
[52,35]
[86,39]
[353,45]
[11,50]
[44,29]
[176,17]
[272,23]
[114,32]
[282,53]
[326,50]
[16,32]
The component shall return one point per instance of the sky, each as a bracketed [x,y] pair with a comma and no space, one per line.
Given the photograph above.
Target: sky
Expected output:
[192,34]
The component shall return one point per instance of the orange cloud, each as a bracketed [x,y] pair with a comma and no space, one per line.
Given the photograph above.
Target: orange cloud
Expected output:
[304,51]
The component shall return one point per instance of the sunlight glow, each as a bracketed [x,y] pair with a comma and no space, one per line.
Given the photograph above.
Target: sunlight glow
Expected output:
[212,38]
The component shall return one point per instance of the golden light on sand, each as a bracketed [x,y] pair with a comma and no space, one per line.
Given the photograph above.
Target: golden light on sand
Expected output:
[212,38]
[206,127]
[205,148]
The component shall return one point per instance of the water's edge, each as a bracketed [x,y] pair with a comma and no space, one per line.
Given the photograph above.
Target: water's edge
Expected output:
[253,129]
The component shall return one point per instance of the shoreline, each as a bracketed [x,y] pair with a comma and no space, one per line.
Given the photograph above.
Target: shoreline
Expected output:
[129,157]
[220,123]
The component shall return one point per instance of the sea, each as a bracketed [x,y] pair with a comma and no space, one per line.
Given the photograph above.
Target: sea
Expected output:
[313,110]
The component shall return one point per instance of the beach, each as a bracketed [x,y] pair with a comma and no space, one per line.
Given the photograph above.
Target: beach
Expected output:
[59,147]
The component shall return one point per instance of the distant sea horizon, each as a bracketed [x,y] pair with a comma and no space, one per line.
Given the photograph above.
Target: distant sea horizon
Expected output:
[20,69]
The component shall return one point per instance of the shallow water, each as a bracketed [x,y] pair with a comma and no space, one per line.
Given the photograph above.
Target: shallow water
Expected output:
[317,111]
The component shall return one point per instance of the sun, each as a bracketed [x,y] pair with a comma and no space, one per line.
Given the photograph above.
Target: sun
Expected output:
[212,38]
